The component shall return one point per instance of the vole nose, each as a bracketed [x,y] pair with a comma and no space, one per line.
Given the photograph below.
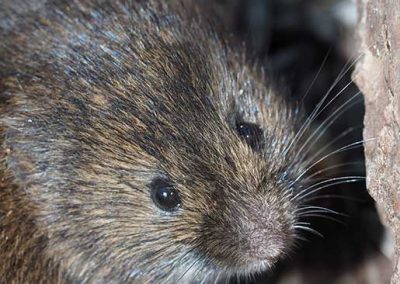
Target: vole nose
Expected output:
[264,234]
[265,243]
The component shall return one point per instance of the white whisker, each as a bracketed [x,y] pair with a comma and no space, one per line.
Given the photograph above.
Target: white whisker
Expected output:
[342,149]
[326,124]
[308,229]
[301,197]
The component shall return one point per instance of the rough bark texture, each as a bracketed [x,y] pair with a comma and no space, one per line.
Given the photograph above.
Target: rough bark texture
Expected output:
[378,76]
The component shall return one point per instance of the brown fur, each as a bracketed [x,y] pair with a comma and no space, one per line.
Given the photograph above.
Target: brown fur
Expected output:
[99,98]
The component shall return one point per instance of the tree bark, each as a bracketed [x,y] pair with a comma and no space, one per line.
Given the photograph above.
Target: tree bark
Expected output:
[378,76]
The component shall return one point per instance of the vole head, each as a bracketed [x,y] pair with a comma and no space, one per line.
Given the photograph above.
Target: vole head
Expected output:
[149,155]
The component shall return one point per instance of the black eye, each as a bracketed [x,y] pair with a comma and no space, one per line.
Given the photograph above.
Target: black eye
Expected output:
[250,132]
[164,194]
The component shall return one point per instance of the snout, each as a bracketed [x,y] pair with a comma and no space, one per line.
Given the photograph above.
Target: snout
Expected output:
[251,236]
[264,233]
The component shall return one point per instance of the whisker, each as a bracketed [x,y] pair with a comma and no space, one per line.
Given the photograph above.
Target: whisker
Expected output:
[308,229]
[323,181]
[334,98]
[312,207]
[327,169]
[301,238]
[317,75]
[342,149]
[326,181]
[332,196]
[303,223]
[325,217]
[328,185]
[316,112]
[310,119]
[326,124]
[307,213]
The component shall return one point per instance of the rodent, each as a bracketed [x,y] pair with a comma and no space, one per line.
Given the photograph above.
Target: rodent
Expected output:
[137,146]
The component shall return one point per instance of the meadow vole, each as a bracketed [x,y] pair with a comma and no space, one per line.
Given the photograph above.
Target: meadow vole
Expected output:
[138,147]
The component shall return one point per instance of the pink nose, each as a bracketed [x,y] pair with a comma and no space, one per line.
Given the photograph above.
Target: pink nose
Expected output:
[267,244]
[264,237]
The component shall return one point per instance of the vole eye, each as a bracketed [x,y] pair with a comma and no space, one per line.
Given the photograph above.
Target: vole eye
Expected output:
[164,194]
[250,132]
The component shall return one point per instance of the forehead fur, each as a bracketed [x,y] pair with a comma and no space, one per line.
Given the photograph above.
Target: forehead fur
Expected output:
[133,70]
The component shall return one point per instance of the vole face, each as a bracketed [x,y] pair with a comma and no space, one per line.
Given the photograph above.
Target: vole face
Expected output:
[149,157]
